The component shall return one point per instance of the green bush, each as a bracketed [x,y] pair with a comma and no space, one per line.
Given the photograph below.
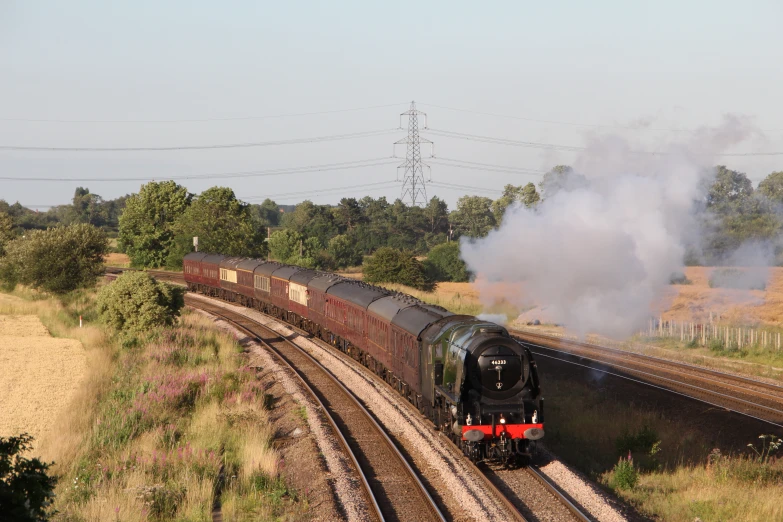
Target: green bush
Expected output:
[136,302]
[624,475]
[443,263]
[56,260]
[389,265]
[642,440]
[26,491]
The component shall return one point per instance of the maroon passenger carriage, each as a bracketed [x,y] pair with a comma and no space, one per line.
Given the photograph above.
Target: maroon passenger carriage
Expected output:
[469,376]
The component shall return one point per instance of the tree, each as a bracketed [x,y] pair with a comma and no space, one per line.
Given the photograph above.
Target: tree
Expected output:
[561,177]
[222,224]
[348,214]
[344,251]
[389,265]
[136,302]
[527,195]
[473,217]
[445,264]
[26,491]
[147,224]
[312,220]
[728,190]
[437,214]
[88,208]
[284,245]
[267,213]
[6,231]
[772,187]
[56,260]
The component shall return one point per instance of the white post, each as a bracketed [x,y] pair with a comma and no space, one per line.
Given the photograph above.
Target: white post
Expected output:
[80,321]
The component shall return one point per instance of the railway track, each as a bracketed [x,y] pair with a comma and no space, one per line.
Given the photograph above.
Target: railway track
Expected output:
[756,399]
[293,356]
[392,487]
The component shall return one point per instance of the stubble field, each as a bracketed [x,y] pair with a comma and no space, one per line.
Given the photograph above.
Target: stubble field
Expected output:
[40,374]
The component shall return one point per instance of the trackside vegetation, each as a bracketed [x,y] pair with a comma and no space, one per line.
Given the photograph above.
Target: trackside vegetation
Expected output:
[136,302]
[169,422]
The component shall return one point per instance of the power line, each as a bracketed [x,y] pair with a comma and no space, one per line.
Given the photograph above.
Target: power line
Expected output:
[316,139]
[502,141]
[200,120]
[571,124]
[474,165]
[568,148]
[245,174]
[455,186]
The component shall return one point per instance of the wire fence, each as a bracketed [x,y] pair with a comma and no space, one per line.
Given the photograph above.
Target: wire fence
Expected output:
[713,332]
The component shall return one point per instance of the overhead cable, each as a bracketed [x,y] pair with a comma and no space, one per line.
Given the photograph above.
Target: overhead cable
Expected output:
[222,175]
[316,139]
[199,120]
[568,148]
[571,124]
[502,141]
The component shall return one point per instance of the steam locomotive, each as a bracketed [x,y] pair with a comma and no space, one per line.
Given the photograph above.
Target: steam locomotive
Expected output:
[477,384]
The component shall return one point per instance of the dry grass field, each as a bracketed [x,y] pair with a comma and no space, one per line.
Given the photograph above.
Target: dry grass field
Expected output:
[40,374]
[117,259]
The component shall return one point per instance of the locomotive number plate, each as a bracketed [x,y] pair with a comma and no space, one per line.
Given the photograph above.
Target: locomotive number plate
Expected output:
[502,361]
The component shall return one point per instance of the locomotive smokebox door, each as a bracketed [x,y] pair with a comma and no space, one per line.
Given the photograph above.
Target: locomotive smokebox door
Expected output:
[437,374]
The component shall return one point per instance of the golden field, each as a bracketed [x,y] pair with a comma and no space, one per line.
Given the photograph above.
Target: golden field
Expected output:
[40,374]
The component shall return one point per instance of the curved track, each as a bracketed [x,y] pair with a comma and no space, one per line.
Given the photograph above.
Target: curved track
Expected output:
[756,399]
[301,358]
[392,486]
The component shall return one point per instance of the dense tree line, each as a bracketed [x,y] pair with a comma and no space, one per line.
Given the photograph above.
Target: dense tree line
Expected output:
[156,226]
[85,208]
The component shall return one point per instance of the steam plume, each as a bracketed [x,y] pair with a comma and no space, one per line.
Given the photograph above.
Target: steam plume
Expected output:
[601,249]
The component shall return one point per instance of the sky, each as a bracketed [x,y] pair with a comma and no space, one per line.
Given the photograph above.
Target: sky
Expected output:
[167,74]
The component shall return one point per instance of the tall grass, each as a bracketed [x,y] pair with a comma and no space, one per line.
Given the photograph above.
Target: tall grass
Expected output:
[161,424]
[649,458]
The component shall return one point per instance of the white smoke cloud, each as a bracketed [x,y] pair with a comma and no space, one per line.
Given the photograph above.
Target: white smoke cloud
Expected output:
[599,252]
[500,319]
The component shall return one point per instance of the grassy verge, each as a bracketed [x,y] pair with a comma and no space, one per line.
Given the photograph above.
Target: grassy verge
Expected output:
[162,424]
[752,360]
[674,472]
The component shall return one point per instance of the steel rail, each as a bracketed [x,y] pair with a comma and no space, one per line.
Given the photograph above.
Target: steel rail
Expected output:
[507,503]
[651,359]
[713,397]
[422,490]
[559,495]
